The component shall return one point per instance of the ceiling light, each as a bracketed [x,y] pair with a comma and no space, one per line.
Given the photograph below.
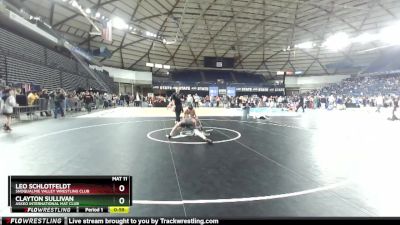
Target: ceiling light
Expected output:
[74,4]
[150,64]
[167,67]
[103,17]
[88,10]
[119,24]
[298,72]
[97,15]
[305,45]
[170,42]
[130,27]
[148,33]
[337,41]
[159,66]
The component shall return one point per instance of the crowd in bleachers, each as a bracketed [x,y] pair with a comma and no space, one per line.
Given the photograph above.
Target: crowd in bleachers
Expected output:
[366,86]
[367,91]
[356,92]
[364,91]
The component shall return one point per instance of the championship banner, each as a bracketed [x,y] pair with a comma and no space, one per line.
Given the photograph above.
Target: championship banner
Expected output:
[231,91]
[222,91]
[213,91]
[106,32]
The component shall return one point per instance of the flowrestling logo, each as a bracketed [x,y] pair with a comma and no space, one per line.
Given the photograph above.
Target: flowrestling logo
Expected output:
[33,220]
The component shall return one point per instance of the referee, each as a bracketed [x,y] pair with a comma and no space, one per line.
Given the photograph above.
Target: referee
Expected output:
[176,99]
[300,104]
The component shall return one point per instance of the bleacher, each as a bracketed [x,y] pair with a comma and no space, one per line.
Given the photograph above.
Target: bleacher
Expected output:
[244,77]
[213,76]
[105,77]
[10,42]
[186,76]
[160,78]
[72,81]
[19,70]
[82,71]
[2,67]
[55,59]
[24,61]
[110,81]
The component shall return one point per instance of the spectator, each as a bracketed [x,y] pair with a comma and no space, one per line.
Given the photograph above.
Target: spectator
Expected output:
[137,100]
[207,101]
[21,99]
[33,98]
[88,100]
[121,100]
[9,103]
[196,100]
[58,103]
[127,100]
[189,99]
[64,102]
[379,103]
[395,107]
[46,98]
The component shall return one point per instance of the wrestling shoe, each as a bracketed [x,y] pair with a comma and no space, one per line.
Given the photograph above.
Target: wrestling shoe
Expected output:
[168,136]
[7,128]
[209,141]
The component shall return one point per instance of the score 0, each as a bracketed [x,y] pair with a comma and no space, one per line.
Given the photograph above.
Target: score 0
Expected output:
[122,185]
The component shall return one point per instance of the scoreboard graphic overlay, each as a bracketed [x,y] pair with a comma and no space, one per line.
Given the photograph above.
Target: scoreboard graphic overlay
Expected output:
[70,194]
